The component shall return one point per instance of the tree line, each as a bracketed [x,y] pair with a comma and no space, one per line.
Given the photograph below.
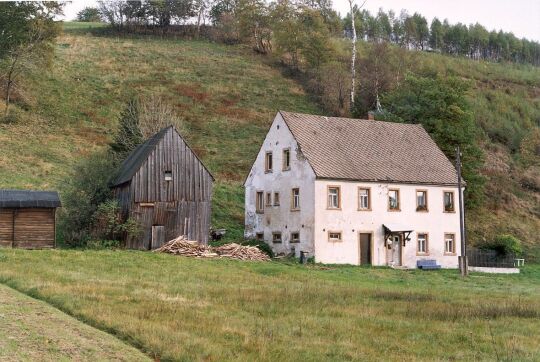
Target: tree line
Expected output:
[262,22]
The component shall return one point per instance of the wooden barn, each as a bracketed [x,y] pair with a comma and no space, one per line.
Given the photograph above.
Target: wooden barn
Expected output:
[27,218]
[167,189]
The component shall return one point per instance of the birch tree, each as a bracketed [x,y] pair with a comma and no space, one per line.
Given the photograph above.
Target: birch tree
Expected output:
[353,55]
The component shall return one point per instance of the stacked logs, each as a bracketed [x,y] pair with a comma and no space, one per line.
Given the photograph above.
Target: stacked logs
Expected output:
[184,247]
[241,252]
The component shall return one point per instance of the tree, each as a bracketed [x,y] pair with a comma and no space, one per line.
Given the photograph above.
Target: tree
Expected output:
[89,14]
[129,134]
[440,105]
[28,33]
[436,35]
[353,54]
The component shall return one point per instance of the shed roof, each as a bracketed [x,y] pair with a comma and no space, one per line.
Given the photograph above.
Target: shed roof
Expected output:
[136,158]
[368,150]
[29,199]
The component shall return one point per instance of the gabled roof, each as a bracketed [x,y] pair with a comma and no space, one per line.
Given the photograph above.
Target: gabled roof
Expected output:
[368,150]
[29,199]
[136,158]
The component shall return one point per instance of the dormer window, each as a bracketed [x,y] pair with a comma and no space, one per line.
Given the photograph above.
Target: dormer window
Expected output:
[168,175]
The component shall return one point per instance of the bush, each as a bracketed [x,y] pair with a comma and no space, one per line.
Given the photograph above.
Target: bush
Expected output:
[505,244]
[108,223]
[103,244]
[85,188]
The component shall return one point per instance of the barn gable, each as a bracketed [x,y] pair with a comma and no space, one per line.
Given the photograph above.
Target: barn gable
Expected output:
[165,186]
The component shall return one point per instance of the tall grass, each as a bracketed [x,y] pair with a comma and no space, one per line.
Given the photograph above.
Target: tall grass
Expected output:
[178,308]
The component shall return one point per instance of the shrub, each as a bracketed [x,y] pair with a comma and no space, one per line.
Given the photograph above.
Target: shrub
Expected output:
[85,188]
[108,223]
[505,244]
[103,244]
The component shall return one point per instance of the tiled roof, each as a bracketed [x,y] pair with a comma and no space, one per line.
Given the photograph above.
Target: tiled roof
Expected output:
[367,150]
[29,199]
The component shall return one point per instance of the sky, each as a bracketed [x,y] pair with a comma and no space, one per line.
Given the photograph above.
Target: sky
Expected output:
[521,17]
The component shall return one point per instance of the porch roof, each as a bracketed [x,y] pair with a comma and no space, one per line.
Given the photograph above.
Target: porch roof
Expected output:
[392,228]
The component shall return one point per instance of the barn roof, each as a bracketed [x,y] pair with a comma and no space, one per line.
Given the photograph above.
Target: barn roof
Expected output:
[29,199]
[368,150]
[136,158]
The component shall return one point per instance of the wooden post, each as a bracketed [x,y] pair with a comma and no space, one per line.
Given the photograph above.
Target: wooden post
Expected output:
[463,264]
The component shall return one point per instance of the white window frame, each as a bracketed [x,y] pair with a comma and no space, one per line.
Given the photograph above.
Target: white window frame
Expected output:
[295,199]
[333,200]
[366,196]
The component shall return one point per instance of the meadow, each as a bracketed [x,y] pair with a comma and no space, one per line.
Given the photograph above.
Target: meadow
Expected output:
[176,308]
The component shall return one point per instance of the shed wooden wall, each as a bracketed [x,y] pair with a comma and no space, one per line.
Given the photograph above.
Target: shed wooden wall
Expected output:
[184,202]
[27,228]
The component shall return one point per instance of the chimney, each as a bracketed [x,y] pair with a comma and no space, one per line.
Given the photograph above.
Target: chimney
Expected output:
[371,115]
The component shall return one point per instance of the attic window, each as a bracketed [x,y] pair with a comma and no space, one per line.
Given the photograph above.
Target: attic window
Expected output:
[168,175]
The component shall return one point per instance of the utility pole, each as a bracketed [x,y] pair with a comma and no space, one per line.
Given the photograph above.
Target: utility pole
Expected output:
[463,262]
[353,55]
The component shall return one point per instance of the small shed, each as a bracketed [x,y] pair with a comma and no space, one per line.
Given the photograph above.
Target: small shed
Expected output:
[166,188]
[28,218]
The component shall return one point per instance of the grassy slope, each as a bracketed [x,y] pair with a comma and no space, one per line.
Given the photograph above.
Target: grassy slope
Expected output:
[228,96]
[196,309]
[31,330]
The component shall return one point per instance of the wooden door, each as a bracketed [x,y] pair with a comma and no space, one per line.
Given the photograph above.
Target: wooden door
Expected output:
[34,228]
[6,227]
[393,251]
[158,236]
[365,249]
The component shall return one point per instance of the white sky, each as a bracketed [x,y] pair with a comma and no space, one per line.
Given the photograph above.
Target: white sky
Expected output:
[521,17]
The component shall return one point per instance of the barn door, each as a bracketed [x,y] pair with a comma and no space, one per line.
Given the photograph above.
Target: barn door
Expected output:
[158,236]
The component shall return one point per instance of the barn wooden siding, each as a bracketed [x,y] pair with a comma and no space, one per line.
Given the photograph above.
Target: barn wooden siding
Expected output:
[31,228]
[182,206]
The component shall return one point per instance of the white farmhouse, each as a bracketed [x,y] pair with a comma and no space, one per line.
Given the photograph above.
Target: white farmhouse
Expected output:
[353,191]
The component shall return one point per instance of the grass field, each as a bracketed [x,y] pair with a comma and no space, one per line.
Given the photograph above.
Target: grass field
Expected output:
[178,308]
[32,330]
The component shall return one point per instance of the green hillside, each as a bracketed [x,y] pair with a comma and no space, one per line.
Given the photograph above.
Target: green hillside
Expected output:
[227,96]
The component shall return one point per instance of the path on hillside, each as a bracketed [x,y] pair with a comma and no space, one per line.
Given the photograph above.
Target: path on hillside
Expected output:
[31,330]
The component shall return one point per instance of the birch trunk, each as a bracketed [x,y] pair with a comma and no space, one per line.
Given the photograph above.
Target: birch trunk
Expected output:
[353,56]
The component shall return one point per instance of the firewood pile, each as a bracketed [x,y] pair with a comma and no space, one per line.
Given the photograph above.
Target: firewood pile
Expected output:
[184,247]
[241,252]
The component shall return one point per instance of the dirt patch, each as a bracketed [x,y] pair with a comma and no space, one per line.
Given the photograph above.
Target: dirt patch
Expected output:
[192,91]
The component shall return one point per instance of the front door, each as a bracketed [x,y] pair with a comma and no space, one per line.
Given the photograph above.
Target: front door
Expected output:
[393,251]
[365,249]
[158,236]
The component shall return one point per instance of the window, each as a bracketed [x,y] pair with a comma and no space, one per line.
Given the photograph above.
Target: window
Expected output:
[422,247]
[259,236]
[449,244]
[334,197]
[393,200]
[168,176]
[295,199]
[334,236]
[295,237]
[268,199]
[421,200]
[364,200]
[449,201]
[276,198]
[276,238]
[259,207]
[268,162]
[286,159]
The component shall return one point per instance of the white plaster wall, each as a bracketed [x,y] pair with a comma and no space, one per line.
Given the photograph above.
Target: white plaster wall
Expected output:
[281,218]
[350,222]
